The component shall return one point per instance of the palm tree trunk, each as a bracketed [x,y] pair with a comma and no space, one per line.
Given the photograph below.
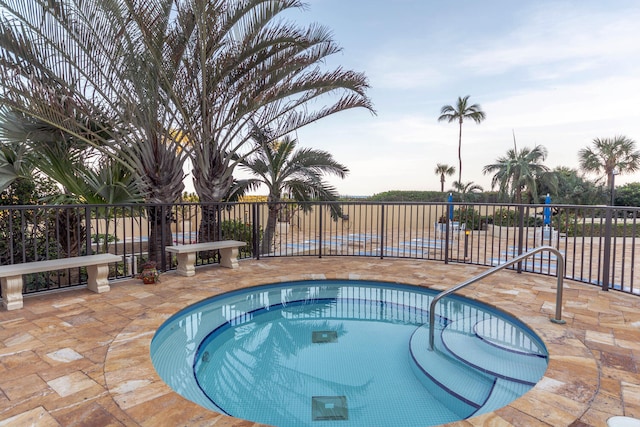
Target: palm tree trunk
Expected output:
[210,226]
[609,177]
[73,232]
[159,233]
[270,230]
[209,230]
[212,186]
[460,153]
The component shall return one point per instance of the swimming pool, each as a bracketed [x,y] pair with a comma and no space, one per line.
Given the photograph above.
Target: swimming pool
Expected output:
[346,353]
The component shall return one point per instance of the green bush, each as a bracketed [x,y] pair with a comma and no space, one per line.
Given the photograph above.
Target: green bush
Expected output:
[102,237]
[597,229]
[468,216]
[239,230]
[511,218]
[430,196]
[409,196]
[505,217]
[628,195]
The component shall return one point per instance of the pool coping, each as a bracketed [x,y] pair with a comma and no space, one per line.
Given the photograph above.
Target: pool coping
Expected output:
[592,372]
[552,401]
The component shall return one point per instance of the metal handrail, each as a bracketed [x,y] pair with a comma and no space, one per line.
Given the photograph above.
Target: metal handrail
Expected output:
[559,271]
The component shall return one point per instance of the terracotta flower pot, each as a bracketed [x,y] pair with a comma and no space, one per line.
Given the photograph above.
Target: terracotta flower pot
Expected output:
[149,280]
[149,276]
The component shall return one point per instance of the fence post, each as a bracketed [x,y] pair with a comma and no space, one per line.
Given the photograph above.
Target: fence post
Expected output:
[163,237]
[520,235]
[606,262]
[219,208]
[255,230]
[447,231]
[382,231]
[87,221]
[320,229]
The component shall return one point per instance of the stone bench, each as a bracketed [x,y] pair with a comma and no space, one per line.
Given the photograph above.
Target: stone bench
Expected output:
[97,272]
[187,254]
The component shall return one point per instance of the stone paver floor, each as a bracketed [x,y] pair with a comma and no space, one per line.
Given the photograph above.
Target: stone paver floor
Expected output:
[76,358]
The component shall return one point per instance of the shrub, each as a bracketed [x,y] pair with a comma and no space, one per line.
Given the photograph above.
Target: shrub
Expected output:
[505,217]
[468,216]
[511,218]
[239,230]
[598,229]
[102,237]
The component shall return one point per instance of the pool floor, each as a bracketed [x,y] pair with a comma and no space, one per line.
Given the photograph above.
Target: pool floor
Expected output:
[378,387]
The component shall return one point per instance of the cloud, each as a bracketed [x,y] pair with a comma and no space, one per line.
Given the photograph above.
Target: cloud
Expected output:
[578,103]
[566,38]
[391,70]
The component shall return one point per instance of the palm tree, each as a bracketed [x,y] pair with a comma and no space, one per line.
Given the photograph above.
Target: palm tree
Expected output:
[442,170]
[151,68]
[14,164]
[459,113]
[84,175]
[285,170]
[264,73]
[569,186]
[518,171]
[466,188]
[608,155]
[84,69]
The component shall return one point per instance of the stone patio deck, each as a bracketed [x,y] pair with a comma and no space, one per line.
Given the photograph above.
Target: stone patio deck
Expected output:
[77,358]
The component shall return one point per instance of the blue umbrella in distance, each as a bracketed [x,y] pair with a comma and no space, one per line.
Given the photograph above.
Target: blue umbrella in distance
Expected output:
[546,214]
[450,201]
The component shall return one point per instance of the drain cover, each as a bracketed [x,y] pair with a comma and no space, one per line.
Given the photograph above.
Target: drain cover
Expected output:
[329,408]
[324,336]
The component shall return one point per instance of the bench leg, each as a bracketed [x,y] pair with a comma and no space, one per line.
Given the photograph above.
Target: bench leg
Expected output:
[97,279]
[186,264]
[229,257]
[11,292]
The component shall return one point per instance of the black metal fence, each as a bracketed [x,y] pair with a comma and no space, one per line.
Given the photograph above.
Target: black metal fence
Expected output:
[599,243]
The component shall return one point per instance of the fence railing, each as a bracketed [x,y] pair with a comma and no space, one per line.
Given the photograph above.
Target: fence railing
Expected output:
[599,243]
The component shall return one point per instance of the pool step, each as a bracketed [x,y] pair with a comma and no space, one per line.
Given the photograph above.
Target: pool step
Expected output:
[499,363]
[460,386]
[503,391]
[513,358]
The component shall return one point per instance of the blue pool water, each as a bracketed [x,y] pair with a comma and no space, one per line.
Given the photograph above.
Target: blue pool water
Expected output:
[346,353]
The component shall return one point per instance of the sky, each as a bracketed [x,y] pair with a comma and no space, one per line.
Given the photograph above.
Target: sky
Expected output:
[552,73]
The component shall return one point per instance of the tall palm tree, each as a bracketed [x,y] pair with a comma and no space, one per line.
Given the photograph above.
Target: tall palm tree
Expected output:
[459,113]
[442,170]
[608,154]
[518,171]
[285,170]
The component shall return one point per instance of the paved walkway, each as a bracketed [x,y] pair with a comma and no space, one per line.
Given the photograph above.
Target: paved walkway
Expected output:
[77,358]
